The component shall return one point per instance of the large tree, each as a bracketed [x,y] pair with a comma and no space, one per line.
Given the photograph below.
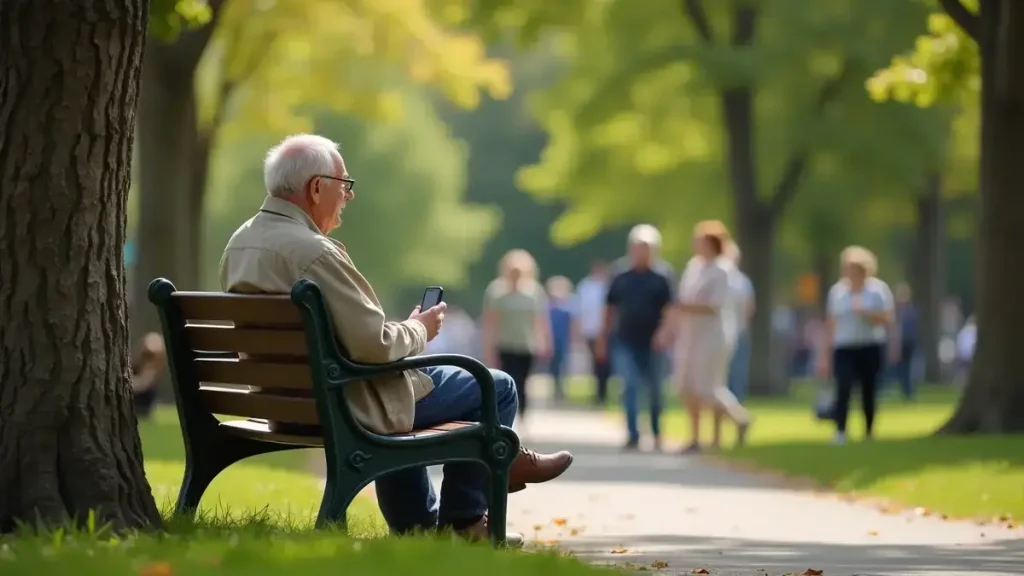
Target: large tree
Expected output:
[69,83]
[979,59]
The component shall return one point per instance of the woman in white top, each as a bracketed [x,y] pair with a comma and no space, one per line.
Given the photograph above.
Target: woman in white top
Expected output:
[703,345]
[860,315]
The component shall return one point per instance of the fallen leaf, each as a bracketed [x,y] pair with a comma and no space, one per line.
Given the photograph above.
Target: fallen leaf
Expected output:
[560,521]
[552,542]
[921,511]
[944,516]
[574,532]
[872,532]
[699,571]
[537,527]
[659,564]
[812,572]
[619,551]
[1011,525]
[156,569]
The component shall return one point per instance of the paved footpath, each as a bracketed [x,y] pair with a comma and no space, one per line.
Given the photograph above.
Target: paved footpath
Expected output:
[683,513]
[678,514]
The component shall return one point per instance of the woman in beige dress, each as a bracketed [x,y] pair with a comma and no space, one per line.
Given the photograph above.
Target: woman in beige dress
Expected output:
[702,348]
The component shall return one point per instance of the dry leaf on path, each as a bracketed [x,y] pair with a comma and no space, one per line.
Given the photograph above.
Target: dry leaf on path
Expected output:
[699,571]
[872,532]
[574,532]
[156,569]
[619,550]
[812,572]
[560,521]
[537,527]
[659,564]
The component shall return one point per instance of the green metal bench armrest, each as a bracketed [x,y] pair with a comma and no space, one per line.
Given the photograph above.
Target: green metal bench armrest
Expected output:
[336,369]
[352,371]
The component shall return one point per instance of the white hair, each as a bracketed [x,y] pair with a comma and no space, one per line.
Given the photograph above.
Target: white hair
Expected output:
[644,234]
[289,165]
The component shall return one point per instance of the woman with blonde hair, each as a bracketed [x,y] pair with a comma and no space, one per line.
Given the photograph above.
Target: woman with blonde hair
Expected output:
[860,313]
[516,327]
[703,346]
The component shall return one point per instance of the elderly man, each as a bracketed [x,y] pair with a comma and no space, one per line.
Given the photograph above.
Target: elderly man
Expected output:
[638,298]
[308,187]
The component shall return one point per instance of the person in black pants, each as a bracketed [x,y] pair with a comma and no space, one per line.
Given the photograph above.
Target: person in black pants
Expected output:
[860,317]
[516,323]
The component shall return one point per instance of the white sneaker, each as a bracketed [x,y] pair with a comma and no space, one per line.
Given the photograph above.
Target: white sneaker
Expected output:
[839,439]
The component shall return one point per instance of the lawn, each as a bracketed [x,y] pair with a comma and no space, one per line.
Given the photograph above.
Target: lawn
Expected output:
[977,477]
[257,519]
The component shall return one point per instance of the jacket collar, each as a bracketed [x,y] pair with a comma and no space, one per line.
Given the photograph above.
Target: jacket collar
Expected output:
[288,210]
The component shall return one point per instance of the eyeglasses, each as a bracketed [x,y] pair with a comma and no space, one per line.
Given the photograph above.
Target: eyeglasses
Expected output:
[347,184]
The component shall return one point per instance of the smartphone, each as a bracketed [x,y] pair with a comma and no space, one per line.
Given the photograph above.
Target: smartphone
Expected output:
[431,297]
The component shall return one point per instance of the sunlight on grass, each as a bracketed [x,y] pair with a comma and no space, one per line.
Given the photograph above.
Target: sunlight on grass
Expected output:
[257,518]
[961,476]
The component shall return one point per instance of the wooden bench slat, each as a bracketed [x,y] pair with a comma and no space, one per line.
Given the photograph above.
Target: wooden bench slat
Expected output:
[246,340]
[261,431]
[233,402]
[254,373]
[262,309]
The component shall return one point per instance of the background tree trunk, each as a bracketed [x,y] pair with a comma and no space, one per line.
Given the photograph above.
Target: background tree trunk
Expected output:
[170,162]
[929,274]
[993,400]
[69,442]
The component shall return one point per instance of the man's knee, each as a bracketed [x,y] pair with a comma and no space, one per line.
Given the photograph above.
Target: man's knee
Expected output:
[504,386]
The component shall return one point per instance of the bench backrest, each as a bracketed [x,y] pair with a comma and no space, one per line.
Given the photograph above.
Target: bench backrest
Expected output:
[219,344]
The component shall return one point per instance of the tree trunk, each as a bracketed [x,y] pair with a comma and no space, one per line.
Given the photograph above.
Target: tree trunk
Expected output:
[993,400]
[168,239]
[69,442]
[756,237]
[929,274]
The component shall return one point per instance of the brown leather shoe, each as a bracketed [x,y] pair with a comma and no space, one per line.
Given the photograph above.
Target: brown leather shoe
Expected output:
[478,533]
[533,468]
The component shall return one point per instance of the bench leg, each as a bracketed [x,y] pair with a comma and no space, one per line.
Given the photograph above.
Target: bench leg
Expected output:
[497,514]
[338,495]
[199,473]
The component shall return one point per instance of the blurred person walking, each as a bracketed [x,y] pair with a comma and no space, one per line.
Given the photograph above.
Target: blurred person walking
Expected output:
[563,330]
[591,293]
[904,342]
[639,296]
[515,325]
[860,316]
[704,342]
[738,317]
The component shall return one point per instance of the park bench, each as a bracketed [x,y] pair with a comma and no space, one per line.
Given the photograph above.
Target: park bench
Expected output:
[274,359]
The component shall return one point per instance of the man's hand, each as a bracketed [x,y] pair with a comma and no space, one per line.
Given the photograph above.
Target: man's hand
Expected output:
[432,319]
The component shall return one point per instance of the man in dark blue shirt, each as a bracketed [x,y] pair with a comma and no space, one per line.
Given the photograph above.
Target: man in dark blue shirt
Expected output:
[639,295]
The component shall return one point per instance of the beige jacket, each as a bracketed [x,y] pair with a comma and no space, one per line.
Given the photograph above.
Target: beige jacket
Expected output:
[280,245]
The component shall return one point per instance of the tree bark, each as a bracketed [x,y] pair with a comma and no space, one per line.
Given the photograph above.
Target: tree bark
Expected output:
[69,442]
[929,274]
[993,400]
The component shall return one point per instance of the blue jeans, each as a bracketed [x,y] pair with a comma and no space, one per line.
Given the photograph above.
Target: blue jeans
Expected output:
[639,367]
[557,369]
[407,498]
[739,367]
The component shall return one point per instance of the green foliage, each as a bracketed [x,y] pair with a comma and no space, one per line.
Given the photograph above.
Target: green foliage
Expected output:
[168,18]
[944,66]
[637,132]
[408,224]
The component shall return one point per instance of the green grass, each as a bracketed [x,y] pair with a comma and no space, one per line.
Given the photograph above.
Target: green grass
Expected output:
[977,477]
[256,519]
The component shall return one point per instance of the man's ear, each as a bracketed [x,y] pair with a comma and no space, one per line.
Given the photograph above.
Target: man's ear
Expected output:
[314,191]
